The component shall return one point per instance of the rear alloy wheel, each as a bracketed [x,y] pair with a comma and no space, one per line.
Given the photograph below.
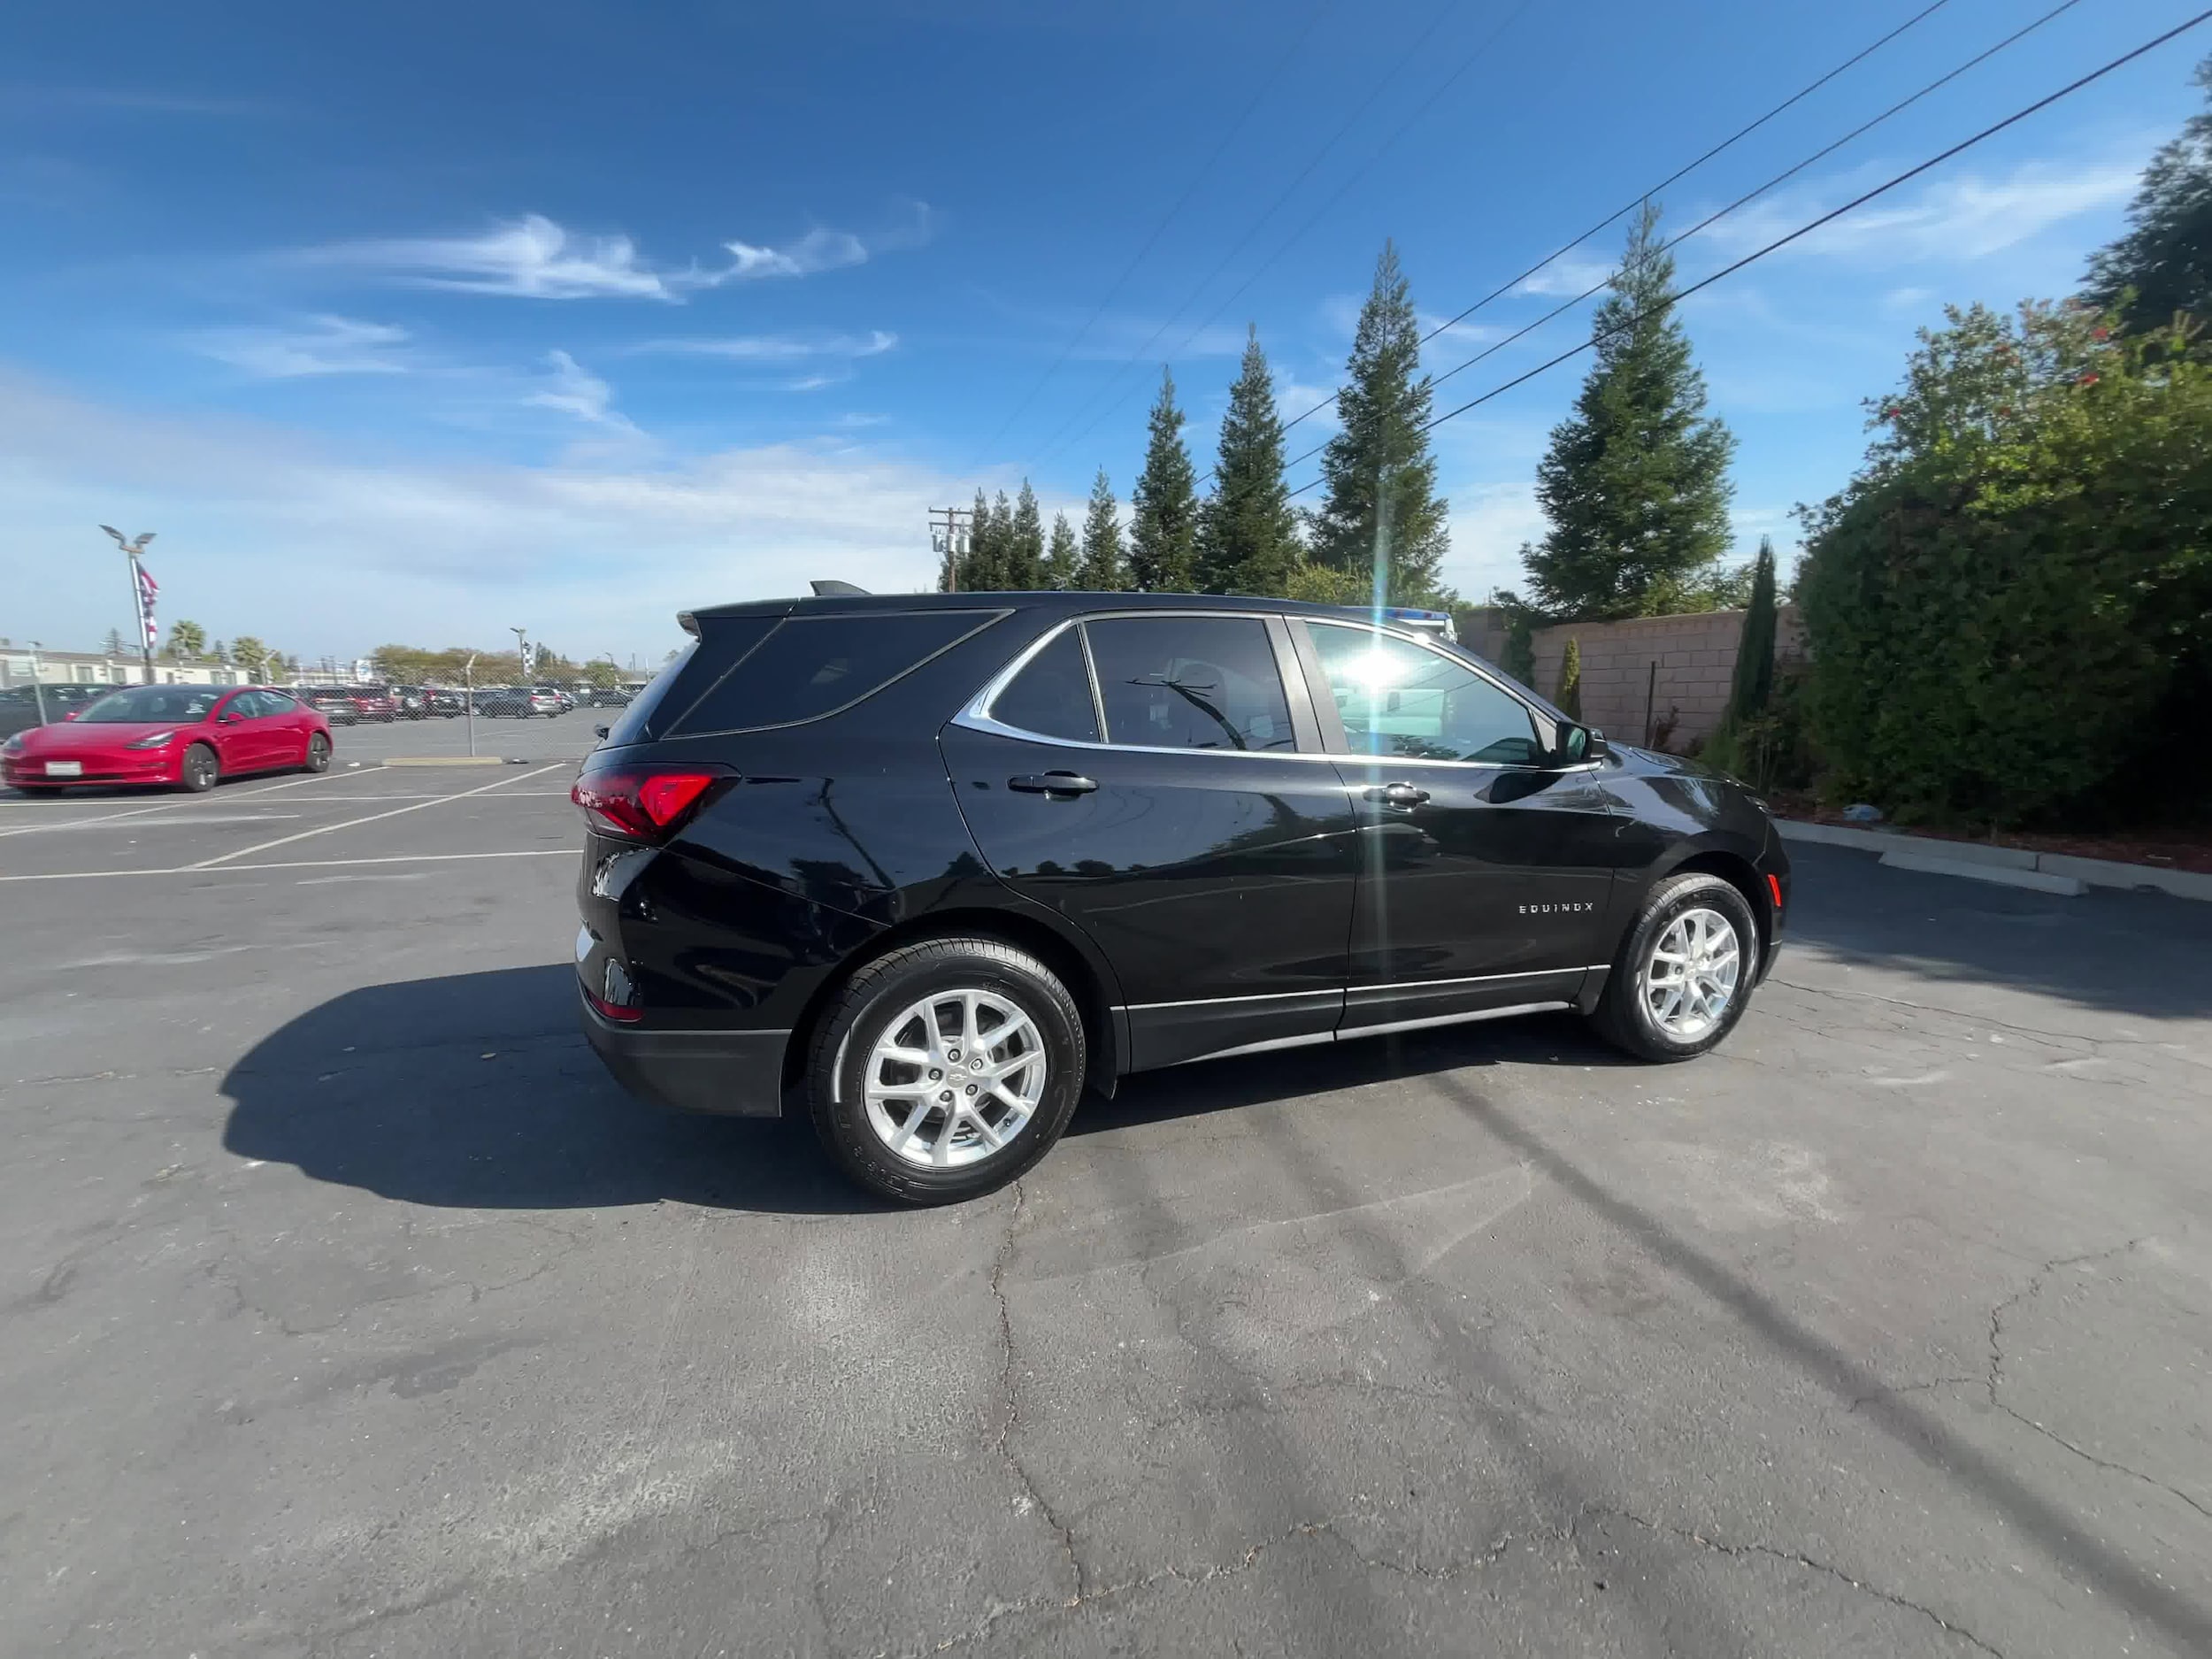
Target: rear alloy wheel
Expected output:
[946,1070]
[317,752]
[199,769]
[1684,973]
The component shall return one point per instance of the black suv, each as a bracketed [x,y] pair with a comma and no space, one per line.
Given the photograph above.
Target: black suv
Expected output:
[942,861]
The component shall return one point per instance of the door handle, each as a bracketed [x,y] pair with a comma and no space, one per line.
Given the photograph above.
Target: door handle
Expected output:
[1052,783]
[1402,794]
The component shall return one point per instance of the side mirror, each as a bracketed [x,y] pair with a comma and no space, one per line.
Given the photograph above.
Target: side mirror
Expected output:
[73,713]
[601,730]
[1577,744]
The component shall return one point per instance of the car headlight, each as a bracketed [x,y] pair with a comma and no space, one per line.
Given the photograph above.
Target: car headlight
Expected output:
[14,746]
[156,742]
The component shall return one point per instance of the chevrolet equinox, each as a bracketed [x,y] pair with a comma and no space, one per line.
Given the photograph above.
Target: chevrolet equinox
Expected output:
[937,864]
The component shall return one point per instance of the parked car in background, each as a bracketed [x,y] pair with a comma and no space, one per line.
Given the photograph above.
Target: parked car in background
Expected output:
[374,703]
[332,703]
[521,702]
[412,701]
[445,702]
[186,737]
[1071,836]
[20,705]
[562,698]
[606,697]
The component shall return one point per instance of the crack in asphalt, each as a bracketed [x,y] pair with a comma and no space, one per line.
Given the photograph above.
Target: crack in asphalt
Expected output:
[1995,1376]
[1010,1400]
[1795,1558]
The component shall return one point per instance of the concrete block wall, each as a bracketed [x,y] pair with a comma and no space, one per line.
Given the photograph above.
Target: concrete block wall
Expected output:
[1696,659]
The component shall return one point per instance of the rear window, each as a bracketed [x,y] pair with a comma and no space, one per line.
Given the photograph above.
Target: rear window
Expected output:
[811,666]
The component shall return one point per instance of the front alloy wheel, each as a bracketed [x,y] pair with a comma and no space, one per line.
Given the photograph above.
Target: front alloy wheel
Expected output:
[1690,975]
[199,769]
[945,1069]
[1685,970]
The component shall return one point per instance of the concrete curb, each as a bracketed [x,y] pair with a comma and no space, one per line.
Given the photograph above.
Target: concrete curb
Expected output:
[1994,864]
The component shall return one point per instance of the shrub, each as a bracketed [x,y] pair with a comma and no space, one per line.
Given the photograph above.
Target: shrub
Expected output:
[2006,607]
[1569,697]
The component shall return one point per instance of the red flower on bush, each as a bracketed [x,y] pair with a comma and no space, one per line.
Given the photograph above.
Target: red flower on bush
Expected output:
[2089,377]
[2100,333]
[1890,413]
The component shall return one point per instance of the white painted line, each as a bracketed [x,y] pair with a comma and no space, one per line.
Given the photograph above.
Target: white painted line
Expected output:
[309,864]
[178,803]
[373,818]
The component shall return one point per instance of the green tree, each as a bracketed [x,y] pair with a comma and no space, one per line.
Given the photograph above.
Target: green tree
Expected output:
[1752,683]
[2008,612]
[1103,568]
[187,641]
[601,674]
[2163,265]
[113,645]
[1636,480]
[1325,585]
[1381,516]
[1063,558]
[982,568]
[1025,544]
[1248,535]
[250,654]
[1569,696]
[1163,511]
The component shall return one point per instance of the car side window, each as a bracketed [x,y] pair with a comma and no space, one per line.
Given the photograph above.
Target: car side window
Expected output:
[1398,699]
[1051,696]
[275,702]
[1190,682]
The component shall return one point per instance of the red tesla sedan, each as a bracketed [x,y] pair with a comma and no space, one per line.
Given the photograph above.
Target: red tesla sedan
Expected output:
[184,737]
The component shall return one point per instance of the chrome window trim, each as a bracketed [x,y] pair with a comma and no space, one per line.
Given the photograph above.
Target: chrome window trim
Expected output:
[977,716]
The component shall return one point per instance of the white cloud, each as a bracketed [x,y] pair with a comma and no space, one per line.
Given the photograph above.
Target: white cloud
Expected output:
[1462,334]
[573,389]
[1969,216]
[535,258]
[1564,277]
[317,345]
[598,555]
[775,348]
[1489,522]
[1908,299]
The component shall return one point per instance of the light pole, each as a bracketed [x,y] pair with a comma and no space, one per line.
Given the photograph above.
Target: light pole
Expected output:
[522,655]
[468,697]
[38,684]
[141,604]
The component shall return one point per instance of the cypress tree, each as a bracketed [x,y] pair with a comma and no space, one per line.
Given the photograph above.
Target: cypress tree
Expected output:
[1381,506]
[979,566]
[1024,543]
[1569,697]
[1103,568]
[1636,481]
[1247,536]
[2163,265]
[1753,680]
[1164,516]
[1061,559]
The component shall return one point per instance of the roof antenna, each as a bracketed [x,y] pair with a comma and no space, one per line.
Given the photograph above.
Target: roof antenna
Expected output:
[838,590]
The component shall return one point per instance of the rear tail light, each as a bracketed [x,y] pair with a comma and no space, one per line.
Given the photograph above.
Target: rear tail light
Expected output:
[646,804]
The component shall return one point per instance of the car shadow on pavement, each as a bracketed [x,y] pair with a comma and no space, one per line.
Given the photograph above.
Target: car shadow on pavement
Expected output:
[478,1091]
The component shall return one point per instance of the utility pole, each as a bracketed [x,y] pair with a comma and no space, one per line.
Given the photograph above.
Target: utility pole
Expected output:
[142,591]
[522,655]
[38,684]
[948,540]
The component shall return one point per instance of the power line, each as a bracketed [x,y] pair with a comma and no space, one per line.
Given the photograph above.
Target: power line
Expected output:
[1833,214]
[1354,177]
[1679,173]
[1181,202]
[1496,346]
[1319,156]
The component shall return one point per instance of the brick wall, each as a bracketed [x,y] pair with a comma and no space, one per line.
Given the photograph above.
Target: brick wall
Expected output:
[1696,659]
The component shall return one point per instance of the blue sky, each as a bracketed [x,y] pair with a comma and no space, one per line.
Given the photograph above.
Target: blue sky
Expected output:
[413,322]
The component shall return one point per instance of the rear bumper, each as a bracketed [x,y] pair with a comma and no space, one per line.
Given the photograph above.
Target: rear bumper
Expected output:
[730,1074]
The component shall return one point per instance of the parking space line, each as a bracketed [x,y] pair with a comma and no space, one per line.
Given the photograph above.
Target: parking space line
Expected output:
[181,802]
[309,864]
[373,818]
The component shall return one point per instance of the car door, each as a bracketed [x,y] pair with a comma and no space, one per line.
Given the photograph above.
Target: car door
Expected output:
[1158,780]
[1485,868]
[234,728]
[289,726]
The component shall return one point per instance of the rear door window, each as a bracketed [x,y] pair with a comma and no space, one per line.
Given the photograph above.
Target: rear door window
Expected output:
[1051,696]
[1190,682]
[814,665]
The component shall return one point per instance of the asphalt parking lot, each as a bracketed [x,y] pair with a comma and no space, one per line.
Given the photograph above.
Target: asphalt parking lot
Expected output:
[350,1310]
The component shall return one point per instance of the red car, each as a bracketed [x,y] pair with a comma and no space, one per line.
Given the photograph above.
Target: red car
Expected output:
[184,737]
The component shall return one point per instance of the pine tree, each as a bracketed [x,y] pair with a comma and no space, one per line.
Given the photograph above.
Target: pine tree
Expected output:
[1569,697]
[1103,569]
[1061,559]
[1024,543]
[1248,535]
[1164,512]
[1381,509]
[979,565]
[114,646]
[2166,257]
[1636,481]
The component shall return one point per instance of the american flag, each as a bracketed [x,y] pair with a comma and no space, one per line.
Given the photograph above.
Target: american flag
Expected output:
[147,588]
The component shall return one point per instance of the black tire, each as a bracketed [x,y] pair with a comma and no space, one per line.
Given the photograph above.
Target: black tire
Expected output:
[855,1021]
[317,752]
[1623,1016]
[38,791]
[198,772]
